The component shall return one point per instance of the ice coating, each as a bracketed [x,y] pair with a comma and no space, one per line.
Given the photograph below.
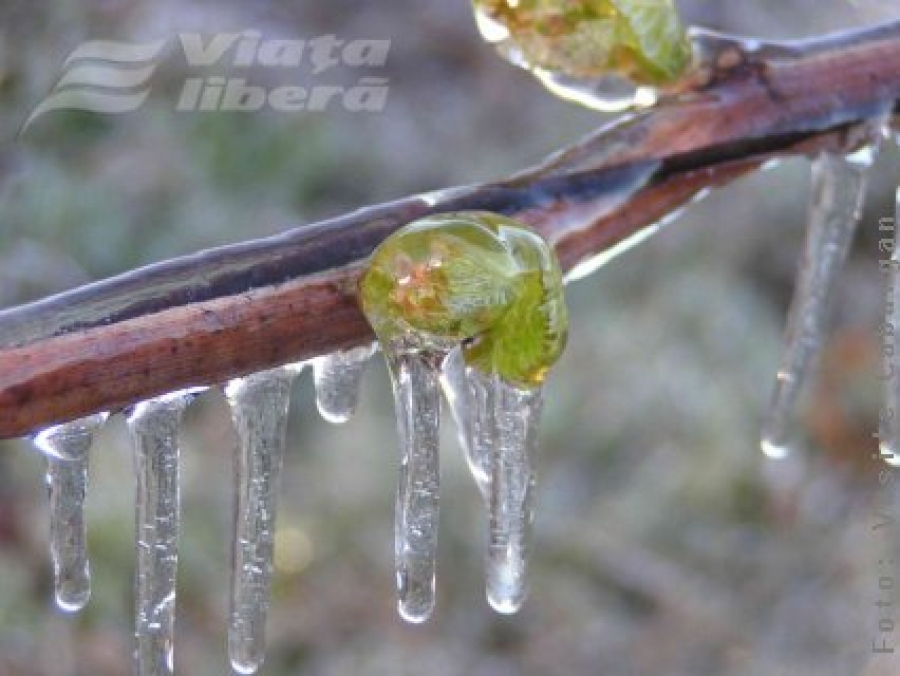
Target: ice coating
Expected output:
[608,55]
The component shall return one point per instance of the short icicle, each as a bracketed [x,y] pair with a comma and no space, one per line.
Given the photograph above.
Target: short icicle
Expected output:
[838,188]
[153,426]
[259,408]
[417,399]
[66,448]
[337,377]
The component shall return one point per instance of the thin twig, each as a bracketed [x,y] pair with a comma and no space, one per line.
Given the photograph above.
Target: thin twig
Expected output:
[205,318]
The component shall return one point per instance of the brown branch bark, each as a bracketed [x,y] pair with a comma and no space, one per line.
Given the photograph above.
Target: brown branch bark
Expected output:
[227,312]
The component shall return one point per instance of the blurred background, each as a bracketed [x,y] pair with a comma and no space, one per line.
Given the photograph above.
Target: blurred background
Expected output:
[666,544]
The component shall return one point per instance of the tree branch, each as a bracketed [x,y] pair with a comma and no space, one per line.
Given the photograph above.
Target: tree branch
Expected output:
[205,318]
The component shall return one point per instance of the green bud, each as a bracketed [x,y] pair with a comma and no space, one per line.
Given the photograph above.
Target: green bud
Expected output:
[640,40]
[479,279]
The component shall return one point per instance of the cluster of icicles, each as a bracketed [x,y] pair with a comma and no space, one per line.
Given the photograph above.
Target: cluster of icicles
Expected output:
[490,413]
[498,431]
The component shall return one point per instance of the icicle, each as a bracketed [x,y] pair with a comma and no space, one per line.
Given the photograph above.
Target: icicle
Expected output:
[337,377]
[259,408]
[498,430]
[67,486]
[154,434]
[460,395]
[889,435]
[418,405]
[498,426]
[514,421]
[66,448]
[838,188]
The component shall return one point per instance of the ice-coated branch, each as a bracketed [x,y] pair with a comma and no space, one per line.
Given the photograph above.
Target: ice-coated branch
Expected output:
[228,312]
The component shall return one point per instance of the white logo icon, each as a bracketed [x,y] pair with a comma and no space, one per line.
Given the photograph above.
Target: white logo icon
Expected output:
[102,77]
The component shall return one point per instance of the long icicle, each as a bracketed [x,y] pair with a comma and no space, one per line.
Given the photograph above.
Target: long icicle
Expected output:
[337,377]
[259,408]
[153,426]
[510,416]
[418,407]
[66,448]
[498,430]
[838,189]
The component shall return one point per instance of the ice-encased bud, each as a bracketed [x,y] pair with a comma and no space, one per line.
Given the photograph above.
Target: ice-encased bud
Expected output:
[479,279]
[487,291]
[604,54]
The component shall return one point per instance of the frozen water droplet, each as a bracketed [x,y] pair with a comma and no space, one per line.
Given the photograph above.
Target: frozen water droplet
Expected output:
[153,426]
[66,448]
[838,188]
[772,450]
[337,377]
[609,94]
[889,418]
[418,406]
[259,408]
